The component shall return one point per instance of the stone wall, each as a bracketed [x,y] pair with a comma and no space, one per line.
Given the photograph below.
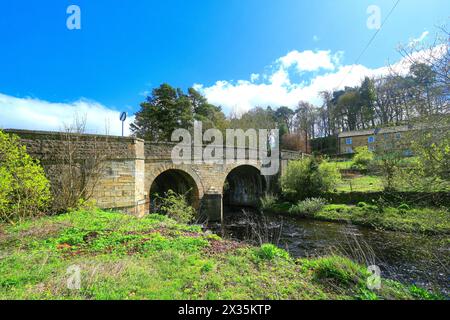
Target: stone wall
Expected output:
[121,184]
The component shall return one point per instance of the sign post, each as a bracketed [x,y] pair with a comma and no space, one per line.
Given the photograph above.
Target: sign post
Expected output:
[123,117]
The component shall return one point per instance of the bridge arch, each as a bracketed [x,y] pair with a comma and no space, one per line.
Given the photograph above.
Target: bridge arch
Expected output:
[181,180]
[243,186]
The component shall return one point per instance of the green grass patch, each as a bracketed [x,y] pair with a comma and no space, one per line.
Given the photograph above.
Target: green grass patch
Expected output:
[124,257]
[360,184]
[403,218]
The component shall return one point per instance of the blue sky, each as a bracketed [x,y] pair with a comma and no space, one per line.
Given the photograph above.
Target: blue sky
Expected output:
[125,48]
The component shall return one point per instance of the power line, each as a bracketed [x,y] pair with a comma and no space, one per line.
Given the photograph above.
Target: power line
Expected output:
[370,42]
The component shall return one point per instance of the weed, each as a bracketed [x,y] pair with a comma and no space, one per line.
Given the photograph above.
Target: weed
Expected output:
[269,251]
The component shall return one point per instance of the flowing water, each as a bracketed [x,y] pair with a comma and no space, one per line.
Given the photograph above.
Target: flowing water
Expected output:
[410,258]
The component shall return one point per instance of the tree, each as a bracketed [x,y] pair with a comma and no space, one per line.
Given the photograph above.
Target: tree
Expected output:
[429,169]
[435,55]
[210,115]
[164,111]
[284,116]
[367,95]
[328,120]
[350,106]
[77,170]
[424,79]
[168,109]
[305,118]
[256,118]
[388,158]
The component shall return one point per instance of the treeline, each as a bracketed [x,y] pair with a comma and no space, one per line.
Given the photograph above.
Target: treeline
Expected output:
[384,101]
[169,108]
[396,98]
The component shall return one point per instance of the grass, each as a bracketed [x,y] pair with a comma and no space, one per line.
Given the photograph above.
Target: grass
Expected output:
[352,182]
[343,165]
[123,257]
[360,184]
[419,220]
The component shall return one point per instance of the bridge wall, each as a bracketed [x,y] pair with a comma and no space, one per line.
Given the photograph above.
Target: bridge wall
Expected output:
[131,167]
[121,186]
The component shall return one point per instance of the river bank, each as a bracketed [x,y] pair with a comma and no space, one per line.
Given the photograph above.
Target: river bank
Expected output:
[123,257]
[405,219]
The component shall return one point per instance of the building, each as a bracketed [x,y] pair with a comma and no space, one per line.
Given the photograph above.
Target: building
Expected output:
[389,137]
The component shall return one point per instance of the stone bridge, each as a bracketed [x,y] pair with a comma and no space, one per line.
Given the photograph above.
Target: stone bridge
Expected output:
[135,170]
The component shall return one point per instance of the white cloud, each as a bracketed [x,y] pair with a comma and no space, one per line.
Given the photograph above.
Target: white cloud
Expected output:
[280,78]
[309,60]
[278,88]
[244,95]
[35,114]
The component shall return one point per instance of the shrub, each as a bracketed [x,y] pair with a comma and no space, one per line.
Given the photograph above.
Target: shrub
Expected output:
[268,202]
[362,159]
[388,163]
[369,208]
[308,178]
[308,207]
[25,190]
[176,207]
[269,251]
[403,209]
[329,176]
[362,204]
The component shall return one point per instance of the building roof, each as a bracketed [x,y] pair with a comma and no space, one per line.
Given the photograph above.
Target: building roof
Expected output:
[374,131]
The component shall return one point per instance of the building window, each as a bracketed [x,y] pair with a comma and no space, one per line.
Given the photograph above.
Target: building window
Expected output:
[349,141]
[398,136]
[371,139]
[348,150]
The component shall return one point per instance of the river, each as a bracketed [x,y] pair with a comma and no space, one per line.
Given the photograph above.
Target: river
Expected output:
[422,260]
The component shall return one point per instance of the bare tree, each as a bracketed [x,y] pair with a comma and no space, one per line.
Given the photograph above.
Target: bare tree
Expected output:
[78,166]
